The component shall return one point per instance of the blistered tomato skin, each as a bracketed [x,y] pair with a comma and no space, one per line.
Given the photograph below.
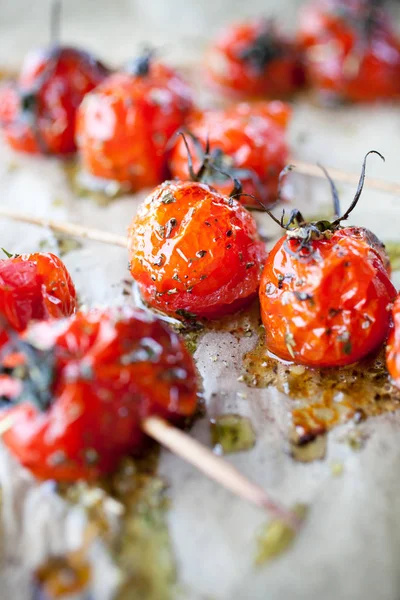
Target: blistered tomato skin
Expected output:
[254,59]
[328,309]
[109,371]
[124,125]
[34,286]
[194,251]
[351,50]
[38,114]
[393,345]
[246,140]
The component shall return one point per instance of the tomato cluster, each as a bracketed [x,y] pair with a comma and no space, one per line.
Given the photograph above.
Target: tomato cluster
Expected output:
[345,49]
[76,390]
[352,50]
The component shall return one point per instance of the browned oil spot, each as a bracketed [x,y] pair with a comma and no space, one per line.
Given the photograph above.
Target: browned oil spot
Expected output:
[323,398]
[64,575]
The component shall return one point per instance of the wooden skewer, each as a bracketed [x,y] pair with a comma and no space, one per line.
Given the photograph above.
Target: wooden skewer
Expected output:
[304,168]
[71,229]
[214,467]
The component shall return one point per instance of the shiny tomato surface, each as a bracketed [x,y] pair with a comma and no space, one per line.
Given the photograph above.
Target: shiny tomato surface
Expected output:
[248,141]
[33,286]
[124,125]
[194,252]
[254,59]
[393,345]
[352,51]
[102,373]
[38,113]
[328,305]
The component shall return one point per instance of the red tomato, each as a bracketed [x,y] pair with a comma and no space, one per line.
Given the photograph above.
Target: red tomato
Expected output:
[351,49]
[194,251]
[34,286]
[89,382]
[247,141]
[38,114]
[254,58]
[328,305]
[393,346]
[125,124]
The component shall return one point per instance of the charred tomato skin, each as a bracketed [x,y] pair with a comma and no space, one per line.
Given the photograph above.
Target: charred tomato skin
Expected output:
[111,369]
[124,126]
[328,309]
[38,114]
[194,251]
[349,54]
[253,58]
[393,345]
[32,287]
[249,138]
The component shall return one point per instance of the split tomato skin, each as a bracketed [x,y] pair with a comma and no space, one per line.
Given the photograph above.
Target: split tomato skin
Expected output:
[247,140]
[393,345]
[32,287]
[194,252]
[110,370]
[329,309]
[253,58]
[38,114]
[351,53]
[124,126]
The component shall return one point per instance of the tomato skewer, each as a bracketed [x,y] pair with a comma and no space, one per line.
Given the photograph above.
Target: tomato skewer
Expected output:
[78,394]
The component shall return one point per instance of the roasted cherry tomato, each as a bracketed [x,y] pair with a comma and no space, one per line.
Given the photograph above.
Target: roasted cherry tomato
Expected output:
[352,51]
[393,346]
[124,125]
[254,58]
[38,113]
[83,385]
[325,293]
[247,141]
[33,286]
[194,252]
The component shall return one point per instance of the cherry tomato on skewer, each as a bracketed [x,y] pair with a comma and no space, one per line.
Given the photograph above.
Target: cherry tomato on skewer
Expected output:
[247,141]
[38,112]
[124,126]
[255,59]
[81,387]
[194,252]
[325,291]
[351,50]
[32,287]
